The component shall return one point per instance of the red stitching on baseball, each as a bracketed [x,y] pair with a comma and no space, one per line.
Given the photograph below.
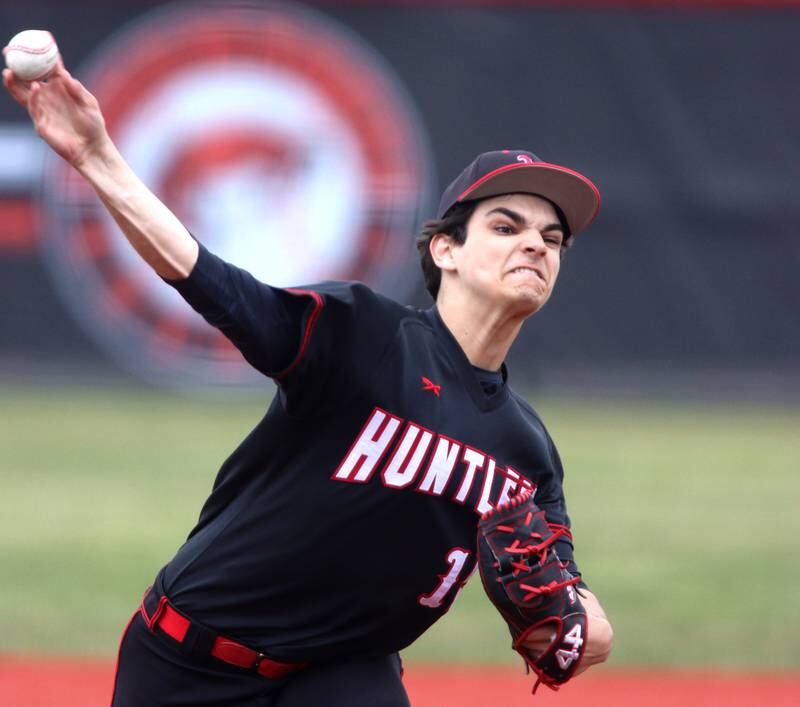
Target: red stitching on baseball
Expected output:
[32,50]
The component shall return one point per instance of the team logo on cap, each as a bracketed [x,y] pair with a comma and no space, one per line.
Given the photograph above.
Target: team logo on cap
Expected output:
[525,159]
[284,144]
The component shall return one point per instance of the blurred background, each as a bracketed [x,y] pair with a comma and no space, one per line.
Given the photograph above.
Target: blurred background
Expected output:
[309,141]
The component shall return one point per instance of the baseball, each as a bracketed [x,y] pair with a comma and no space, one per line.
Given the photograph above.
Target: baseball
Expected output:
[31,54]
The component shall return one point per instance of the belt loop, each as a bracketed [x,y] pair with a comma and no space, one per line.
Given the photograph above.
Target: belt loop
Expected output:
[142,607]
[198,640]
[152,621]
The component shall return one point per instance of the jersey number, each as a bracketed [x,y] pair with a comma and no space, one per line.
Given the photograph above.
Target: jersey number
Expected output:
[456,558]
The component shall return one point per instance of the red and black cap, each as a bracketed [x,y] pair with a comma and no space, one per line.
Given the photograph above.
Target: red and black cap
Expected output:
[518,171]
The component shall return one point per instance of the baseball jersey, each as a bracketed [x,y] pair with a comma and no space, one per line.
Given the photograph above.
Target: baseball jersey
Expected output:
[345,522]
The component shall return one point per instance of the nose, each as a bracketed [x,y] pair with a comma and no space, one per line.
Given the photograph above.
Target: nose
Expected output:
[533,243]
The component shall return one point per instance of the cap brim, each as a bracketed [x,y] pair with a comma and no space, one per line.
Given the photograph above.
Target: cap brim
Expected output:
[573,193]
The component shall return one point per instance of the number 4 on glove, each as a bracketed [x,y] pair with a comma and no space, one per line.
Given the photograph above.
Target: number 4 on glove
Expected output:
[531,588]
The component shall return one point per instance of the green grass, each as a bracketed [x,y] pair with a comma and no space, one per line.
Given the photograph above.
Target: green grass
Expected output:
[686,521]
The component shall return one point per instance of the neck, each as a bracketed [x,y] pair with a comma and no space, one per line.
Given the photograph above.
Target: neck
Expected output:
[484,333]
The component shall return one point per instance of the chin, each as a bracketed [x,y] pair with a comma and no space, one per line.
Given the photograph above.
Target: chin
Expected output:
[527,302]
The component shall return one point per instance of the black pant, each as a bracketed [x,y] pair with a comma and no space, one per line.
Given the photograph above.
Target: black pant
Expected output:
[153,671]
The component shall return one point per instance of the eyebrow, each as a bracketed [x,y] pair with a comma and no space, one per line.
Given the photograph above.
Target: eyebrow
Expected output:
[519,219]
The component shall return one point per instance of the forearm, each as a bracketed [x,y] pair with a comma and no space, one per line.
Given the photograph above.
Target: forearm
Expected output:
[600,635]
[68,118]
[151,228]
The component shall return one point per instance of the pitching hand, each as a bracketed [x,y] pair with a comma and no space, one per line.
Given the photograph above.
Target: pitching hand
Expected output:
[66,116]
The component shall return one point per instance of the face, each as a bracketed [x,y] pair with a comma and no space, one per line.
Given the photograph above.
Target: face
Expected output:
[512,253]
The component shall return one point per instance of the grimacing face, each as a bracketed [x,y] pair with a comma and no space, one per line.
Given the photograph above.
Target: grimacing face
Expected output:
[512,253]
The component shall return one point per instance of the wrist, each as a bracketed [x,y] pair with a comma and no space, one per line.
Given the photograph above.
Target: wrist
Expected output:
[97,159]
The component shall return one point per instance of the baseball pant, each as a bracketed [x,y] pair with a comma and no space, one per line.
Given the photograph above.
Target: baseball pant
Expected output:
[154,671]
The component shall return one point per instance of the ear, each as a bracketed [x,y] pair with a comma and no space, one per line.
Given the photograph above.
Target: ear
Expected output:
[441,247]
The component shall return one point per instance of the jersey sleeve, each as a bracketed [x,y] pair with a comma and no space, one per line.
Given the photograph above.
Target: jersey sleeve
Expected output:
[318,342]
[550,498]
[265,323]
[347,335]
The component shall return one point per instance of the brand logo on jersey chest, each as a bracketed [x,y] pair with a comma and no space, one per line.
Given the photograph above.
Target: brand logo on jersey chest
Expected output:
[429,385]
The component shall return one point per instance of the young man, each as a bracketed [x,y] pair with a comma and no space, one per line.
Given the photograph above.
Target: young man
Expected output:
[344,525]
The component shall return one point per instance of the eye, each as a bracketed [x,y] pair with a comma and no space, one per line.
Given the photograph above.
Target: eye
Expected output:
[504,228]
[554,239]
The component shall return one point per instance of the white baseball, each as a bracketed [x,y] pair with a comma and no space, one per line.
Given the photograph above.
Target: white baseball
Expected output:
[31,54]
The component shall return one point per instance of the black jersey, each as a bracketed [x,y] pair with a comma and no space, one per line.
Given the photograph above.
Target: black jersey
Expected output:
[345,522]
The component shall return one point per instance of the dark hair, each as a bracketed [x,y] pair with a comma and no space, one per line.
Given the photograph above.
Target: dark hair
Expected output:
[454,224]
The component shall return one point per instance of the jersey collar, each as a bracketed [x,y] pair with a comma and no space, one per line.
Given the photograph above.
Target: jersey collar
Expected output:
[464,368]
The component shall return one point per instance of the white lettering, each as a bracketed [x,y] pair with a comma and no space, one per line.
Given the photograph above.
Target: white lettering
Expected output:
[474,460]
[510,484]
[441,467]
[486,489]
[401,471]
[368,449]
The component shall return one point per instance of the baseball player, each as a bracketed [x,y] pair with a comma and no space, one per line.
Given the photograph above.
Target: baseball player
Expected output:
[344,524]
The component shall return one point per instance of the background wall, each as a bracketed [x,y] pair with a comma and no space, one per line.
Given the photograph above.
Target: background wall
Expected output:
[685,118]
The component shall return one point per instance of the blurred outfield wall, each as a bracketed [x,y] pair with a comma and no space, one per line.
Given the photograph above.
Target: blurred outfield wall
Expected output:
[687,118]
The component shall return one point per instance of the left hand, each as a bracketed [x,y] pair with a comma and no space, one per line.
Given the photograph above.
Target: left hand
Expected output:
[599,634]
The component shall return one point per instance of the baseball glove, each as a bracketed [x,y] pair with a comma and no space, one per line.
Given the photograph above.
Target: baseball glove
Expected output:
[530,587]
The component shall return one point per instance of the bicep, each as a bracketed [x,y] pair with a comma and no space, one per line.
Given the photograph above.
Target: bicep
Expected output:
[264,323]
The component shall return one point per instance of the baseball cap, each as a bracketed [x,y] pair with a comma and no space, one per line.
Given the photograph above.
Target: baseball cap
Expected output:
[519,171]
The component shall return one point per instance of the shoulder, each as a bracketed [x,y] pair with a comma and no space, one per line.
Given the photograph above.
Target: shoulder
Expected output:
[536,421]
[352,313]
[351,294]
[525,408]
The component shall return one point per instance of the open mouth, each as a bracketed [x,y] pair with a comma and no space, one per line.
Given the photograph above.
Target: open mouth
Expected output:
[525,269]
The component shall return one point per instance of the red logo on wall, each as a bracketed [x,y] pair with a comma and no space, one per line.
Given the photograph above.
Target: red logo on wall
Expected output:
[284,145]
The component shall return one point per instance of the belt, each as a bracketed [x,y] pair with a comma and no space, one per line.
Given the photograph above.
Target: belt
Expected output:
[200,640]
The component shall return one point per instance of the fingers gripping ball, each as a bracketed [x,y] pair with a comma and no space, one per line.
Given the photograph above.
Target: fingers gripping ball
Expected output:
[531,588]
[31,54]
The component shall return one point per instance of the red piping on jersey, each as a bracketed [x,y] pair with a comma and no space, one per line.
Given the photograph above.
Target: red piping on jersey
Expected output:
[119,652]
[312,320]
